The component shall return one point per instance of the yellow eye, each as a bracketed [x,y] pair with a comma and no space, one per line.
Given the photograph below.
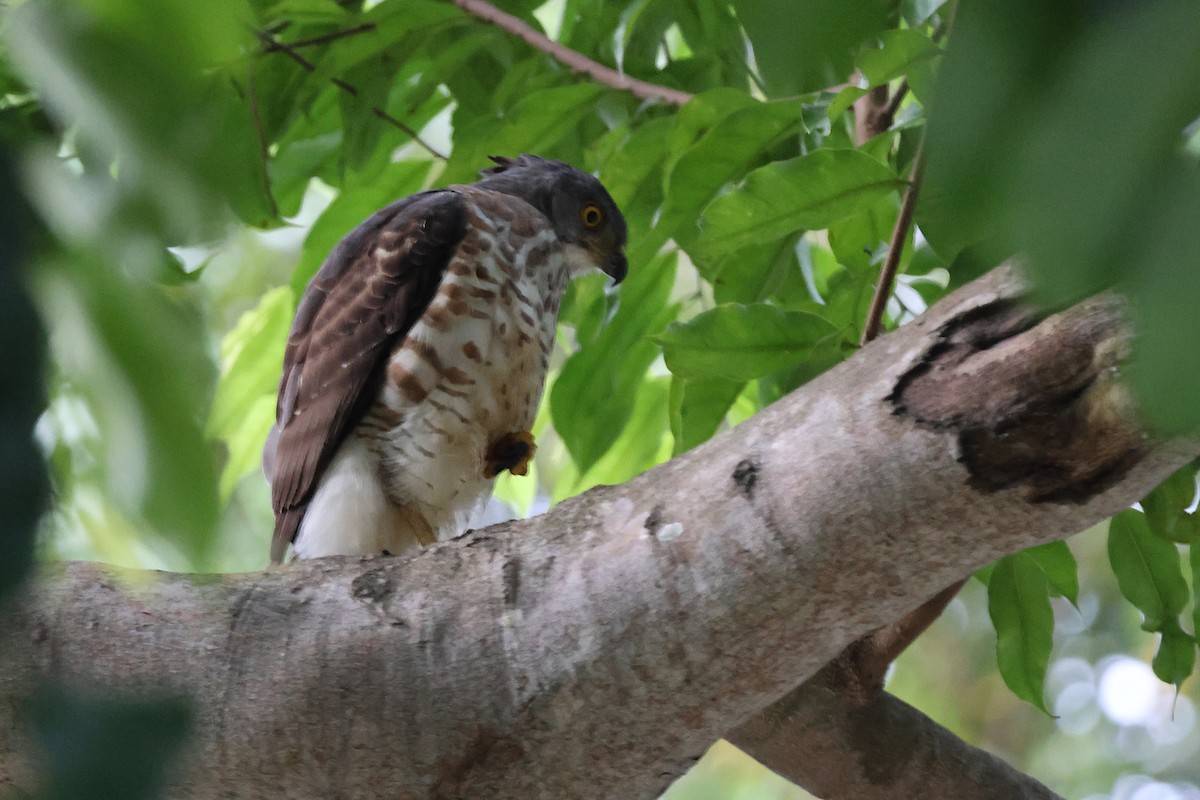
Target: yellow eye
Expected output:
[591,215]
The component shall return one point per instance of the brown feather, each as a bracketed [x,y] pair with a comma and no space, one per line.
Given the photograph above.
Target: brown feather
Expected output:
[370,291]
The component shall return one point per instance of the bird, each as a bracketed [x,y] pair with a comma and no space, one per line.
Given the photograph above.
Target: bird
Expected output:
[418,354]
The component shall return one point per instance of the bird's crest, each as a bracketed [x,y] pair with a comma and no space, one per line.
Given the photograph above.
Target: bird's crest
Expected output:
[504,163]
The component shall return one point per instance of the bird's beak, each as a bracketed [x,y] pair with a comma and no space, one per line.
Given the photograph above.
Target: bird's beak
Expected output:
[616,267]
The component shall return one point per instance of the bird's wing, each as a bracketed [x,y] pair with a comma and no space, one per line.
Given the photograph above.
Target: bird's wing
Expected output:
[370,291]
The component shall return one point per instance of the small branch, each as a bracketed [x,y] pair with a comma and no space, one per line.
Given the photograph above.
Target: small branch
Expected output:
[323,39]
[271,44]
[571,58]
[869,119]
[883,289]
[894,639]
[260,134]
[859,670]
[893,105]
[883,750]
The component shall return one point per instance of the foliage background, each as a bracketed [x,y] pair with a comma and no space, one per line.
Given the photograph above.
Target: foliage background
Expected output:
[181,169]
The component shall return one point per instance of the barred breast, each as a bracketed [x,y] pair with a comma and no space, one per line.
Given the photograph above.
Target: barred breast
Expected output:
[469,372]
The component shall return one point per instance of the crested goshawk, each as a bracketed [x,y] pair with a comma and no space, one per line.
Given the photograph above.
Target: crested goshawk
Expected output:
[417,357]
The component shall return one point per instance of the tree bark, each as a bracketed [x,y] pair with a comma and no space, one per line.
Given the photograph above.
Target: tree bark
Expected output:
[599,649]
[883,749]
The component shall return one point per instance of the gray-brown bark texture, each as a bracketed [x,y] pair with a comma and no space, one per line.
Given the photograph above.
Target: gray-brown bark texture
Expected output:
[880,749]
[598,650]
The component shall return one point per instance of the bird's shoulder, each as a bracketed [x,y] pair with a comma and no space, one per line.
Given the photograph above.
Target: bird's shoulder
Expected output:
[496,212]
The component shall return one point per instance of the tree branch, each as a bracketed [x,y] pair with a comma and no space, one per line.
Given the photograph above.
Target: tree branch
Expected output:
[273,45]
[326,38]
[571,58]
[887,274]
[882,750]
[893,104]
[870,115]
[264,154]
[599,649]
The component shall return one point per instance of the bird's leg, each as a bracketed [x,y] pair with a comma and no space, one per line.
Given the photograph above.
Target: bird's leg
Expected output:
[512,452]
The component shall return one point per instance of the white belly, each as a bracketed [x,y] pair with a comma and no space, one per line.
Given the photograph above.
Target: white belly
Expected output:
[350,513]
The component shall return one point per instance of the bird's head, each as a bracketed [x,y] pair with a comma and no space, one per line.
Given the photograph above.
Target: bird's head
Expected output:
[583,214]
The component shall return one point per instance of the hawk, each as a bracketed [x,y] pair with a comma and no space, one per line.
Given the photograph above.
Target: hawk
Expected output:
[417,356]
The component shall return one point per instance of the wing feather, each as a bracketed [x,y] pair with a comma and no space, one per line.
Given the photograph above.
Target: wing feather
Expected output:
[368,294]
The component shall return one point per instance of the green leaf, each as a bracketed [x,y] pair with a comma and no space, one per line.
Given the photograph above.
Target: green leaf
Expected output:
[633,176]
[1058,563]
[750,275]
[1019,605]
[805,45]
[122,749]
[355,203]
[641,444]
[24,487]
[1096,108]
[1176,656]
[1001,50]
[535,124]
[825,355]
[722,155]
[848,299]
[244,404]
[306,11]
[1194,562]
[900,52]
[809,192]
[593,397]
[1165,508]
[361,129]
[294,166]
[860,241]
[140,358]
[1147,569]
[244,441]
[700,114]
[844,100]
[185,139]
[698,407]
[1161,287]
[394,24]
[636,163]
[742,342]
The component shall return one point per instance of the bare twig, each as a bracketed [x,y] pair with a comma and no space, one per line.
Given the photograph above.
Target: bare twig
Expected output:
[883,289]
[271,44]
[260,134]
[893,105]
[324,38]
[571,58]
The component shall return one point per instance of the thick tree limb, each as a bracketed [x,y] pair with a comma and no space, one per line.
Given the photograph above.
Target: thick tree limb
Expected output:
[597,650]
[883,750]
